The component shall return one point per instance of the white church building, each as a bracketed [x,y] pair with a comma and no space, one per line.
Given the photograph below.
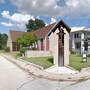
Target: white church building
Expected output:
[77,38]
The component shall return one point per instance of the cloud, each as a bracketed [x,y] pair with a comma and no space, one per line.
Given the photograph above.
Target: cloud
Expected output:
[62,8]
[6,14]
[53,20]
[46,24]
[38,17]
[18,19]
[72,3]
[36,7]
[7,24]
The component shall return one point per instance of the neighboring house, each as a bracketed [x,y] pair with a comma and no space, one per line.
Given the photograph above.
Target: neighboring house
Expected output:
[52,40]
[77,38]
[12,40]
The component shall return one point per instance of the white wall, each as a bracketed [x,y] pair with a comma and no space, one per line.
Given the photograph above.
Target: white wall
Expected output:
[32,53]
[54,46]
[9,42]
[66,47]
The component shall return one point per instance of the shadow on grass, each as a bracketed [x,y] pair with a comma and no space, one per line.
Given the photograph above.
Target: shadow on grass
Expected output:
[88,56]
[79,55]
[50,59]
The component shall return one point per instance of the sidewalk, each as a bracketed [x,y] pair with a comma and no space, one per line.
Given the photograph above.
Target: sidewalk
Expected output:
[39,72]
[60,70]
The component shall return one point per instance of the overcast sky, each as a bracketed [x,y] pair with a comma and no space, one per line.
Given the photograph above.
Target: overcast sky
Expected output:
[14,14]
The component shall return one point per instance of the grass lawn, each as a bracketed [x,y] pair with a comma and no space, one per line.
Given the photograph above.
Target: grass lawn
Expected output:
[45,62]
[2,51]
[76,62]
[14,54]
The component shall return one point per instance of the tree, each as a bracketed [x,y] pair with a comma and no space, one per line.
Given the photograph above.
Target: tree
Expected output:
[34,25]
[0,41]
[26,40]
[86,45]
[3,40]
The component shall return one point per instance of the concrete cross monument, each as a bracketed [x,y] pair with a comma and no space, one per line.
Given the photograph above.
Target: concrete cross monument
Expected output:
[59,35]
[59,47]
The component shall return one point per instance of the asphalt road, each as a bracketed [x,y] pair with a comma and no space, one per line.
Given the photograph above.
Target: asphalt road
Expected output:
[13,78]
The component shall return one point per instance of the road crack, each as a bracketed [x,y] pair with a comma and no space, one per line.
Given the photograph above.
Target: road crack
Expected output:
[26,82]
[62,88]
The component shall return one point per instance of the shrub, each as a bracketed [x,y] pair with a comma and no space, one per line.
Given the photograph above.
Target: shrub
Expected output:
[7,49]
[22,51]
[19,54]
[88,55]
[26,40]
[73,52]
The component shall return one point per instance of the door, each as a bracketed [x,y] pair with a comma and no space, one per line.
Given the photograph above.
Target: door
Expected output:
[47,44]
[41,47]
[61,47]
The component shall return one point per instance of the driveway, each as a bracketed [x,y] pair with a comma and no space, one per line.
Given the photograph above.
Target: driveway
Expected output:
[13,78]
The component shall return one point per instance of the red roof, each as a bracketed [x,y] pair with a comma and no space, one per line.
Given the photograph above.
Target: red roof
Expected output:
[41,33]
[15,34]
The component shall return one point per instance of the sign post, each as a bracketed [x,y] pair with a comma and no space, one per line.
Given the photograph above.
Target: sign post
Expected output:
[84,57]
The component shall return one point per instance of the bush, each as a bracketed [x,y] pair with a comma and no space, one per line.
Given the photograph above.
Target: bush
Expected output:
[7,49]
[73,52]
[19,54]
[22,51]
[88,55]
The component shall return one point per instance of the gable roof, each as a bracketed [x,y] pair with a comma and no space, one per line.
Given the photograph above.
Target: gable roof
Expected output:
[15,34]
[61,22]
[40,33]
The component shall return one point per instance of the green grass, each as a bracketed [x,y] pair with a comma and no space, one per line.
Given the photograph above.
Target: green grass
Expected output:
[14,54]
[45,62]
[2,51]
[76,62]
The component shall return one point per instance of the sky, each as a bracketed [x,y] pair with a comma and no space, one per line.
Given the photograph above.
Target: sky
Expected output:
[14,14]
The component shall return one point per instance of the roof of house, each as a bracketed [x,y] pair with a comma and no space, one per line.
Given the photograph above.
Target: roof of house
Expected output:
[74,29]
[15,34]
[59,23]
[40,33]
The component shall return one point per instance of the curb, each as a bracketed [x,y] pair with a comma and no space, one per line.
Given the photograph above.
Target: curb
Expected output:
[37,66]
[39,72]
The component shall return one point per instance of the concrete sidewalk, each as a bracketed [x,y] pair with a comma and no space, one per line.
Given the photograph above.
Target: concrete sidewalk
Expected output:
[60,70]
[39,72]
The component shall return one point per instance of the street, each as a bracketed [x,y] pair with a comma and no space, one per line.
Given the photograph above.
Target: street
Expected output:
[13,78]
